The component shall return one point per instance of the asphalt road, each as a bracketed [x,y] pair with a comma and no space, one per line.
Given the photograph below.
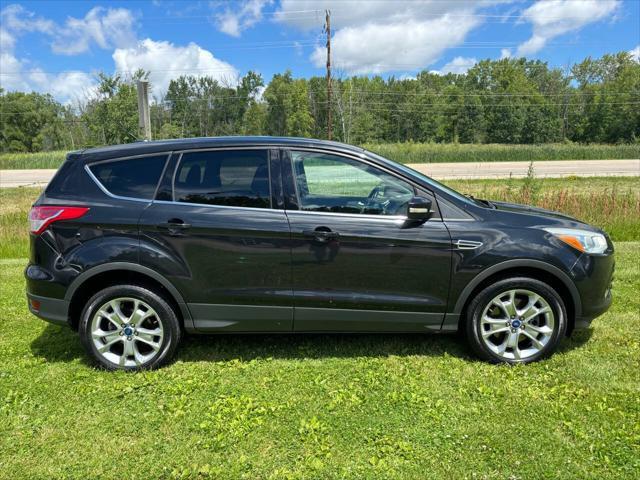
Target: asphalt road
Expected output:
[439,171]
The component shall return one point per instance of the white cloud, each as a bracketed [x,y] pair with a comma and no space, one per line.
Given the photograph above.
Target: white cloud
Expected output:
[635,53]
[375,48]
[374,36]
[7,41]
[66,86]
[18,74]
[107,28]
[505,53]
[552,18]
[166,61]
[15,18]
[458,65]
[233,22]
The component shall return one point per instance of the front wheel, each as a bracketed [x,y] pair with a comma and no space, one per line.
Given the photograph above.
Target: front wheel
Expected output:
[516,320]
[129,328]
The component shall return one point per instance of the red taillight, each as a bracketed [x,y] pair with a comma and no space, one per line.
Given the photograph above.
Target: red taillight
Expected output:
[42,216]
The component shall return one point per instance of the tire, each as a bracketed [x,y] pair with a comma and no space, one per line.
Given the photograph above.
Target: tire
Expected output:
[109,333]
[499,334]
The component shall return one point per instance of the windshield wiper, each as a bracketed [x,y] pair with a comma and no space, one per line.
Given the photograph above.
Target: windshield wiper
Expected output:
[481,201]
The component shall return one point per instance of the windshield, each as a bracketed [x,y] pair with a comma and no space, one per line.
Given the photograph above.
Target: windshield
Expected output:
[430,181]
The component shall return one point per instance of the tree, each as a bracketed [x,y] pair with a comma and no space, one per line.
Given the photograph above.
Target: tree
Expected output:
[30,122]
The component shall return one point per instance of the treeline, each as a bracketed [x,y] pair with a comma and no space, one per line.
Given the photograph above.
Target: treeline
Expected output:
[510,101]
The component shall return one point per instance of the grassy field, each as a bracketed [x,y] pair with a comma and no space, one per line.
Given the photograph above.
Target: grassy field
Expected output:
[414,153]
[331,406]
[322,406]
[436,153]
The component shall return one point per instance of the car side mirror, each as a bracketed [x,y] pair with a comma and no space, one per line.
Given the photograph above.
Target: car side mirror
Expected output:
[419,209]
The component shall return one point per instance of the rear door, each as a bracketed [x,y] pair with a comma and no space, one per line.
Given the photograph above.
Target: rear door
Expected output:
[357,264]
[217,232]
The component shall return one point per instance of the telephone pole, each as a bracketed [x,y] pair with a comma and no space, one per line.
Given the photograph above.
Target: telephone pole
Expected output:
[328,30]
[144,117]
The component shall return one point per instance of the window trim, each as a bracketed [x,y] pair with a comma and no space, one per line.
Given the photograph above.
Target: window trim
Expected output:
[363,159]
[87,168]
[218,149]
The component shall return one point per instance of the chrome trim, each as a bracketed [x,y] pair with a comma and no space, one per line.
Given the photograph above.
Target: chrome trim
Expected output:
[363,159]
[179,162]
[352,215]
[467,244]
[87,168]
[108,193]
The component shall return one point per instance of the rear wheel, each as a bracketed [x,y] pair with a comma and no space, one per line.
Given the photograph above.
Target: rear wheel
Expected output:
[129,328]
[516,320]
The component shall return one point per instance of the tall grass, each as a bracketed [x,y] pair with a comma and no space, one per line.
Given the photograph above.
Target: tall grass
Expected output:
[437,153]
[610,204]
[414,153]
[15,161]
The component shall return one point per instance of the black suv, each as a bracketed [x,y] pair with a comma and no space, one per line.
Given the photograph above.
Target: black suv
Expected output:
[133,245]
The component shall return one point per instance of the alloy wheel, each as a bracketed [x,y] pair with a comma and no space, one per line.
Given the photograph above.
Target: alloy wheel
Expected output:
[127,332]
[517,324]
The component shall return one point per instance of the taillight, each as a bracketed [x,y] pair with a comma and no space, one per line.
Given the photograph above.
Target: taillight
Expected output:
[41,217]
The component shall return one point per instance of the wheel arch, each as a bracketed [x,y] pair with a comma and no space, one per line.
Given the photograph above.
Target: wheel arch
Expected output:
[535,269]
[102,276]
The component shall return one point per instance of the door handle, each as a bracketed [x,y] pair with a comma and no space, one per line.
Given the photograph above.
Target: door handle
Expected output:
[174,226]
[321,234]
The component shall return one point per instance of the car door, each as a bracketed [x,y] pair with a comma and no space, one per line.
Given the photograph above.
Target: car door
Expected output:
[216,232]
[357,263]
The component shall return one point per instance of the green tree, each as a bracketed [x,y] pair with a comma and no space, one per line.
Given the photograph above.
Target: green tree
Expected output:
[30,122]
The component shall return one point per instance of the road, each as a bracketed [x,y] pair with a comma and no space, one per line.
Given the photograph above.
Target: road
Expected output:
[439,171]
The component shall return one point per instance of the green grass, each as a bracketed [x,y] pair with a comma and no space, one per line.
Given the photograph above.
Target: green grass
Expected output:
[330,406]
[322,406]
[437,152]
[414,153]
[15,161]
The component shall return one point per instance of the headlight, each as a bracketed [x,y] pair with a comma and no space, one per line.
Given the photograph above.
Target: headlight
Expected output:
[583,240]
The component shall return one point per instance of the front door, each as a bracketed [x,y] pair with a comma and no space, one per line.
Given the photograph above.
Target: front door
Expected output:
[357,264]
[216,233]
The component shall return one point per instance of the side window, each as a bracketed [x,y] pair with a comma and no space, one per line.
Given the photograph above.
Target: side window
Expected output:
[236,178]
[331,183]
[134,177]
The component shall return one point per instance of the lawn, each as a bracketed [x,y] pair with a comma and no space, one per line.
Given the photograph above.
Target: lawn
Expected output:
[325,406]
[415,153]
[322,406]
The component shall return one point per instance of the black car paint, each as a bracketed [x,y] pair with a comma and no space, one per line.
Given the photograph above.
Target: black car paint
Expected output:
[258,270]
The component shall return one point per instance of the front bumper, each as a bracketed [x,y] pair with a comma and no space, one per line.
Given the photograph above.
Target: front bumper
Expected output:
[593,276]
[52,310]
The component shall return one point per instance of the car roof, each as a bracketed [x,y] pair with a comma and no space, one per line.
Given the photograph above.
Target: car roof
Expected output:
[142,148]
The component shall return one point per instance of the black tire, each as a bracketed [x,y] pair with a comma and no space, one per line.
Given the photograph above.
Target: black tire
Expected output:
[482,300]
[165,315]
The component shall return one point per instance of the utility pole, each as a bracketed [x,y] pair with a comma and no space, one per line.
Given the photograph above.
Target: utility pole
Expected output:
[327,28]
[144,117]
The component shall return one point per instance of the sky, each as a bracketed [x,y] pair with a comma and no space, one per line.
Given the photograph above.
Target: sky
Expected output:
[58,47]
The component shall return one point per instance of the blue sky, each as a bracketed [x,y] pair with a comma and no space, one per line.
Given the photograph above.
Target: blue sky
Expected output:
[58,46]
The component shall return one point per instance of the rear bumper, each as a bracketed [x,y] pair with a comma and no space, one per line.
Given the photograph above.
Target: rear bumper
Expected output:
[52,310]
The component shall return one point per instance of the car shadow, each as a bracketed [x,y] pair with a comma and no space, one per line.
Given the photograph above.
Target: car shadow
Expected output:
[60,344]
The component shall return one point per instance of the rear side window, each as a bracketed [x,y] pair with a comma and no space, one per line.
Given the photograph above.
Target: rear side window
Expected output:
[133,177]
[236,178]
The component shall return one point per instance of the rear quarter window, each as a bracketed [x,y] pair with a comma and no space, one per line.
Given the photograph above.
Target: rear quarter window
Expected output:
[132,177]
